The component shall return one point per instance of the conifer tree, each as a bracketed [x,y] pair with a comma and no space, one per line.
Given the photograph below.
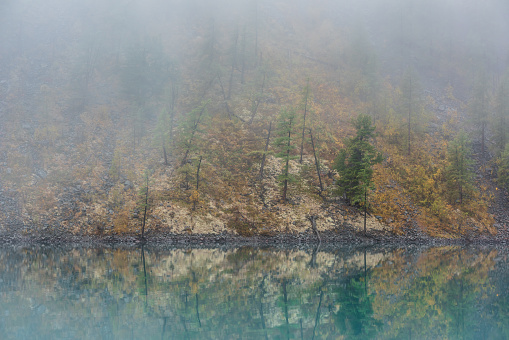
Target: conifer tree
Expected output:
[503,168]
[459,173]
[283,143]
[355,163]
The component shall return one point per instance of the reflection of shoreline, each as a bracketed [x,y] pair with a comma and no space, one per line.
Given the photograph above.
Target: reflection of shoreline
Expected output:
[349,291]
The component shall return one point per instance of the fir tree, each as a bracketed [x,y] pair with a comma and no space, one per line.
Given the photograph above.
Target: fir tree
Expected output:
[503,168]
[459,173]
[354,164]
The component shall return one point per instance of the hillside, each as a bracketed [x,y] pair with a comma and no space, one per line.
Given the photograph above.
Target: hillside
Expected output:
[166,116]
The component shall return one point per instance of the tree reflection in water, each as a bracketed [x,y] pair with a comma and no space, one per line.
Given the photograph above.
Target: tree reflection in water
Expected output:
[253,293]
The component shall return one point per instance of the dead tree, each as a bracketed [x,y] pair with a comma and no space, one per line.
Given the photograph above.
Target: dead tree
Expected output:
[194,128]
[145,205]
[317,164]
[265,152]
[306,96]
[197,182]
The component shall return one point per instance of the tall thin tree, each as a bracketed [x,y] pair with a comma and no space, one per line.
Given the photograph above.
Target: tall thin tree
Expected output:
[305,108]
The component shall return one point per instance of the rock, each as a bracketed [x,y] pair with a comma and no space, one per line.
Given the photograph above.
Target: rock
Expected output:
[441,108]
[8,171]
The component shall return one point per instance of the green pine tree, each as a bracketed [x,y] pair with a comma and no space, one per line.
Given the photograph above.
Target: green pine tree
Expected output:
[354,164]
[503,168]
[459,172]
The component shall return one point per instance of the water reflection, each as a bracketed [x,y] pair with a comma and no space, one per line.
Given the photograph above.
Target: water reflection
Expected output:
[253,294]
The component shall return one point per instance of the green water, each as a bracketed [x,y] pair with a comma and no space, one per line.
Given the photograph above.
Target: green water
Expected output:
[249,293]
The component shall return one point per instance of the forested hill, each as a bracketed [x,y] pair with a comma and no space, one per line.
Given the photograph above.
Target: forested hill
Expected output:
[254,116]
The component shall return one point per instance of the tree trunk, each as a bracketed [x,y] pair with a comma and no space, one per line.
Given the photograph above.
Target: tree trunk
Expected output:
[304,121]
[190,143]
[262,317]
[197,182]
[145,212]
[227,107]
[365,209]
[312,219]
[256,103]
[230,83]
[174,94]
[409,116]
[165,157]
[285,300]
[461,194]
[265,151]
[483,128]
[197,311]
[316,161]
[365,275]
[285,185]
[317,317]
[134,137]
[144,274]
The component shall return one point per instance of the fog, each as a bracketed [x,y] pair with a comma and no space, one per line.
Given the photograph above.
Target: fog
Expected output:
[94,92]
[45,30]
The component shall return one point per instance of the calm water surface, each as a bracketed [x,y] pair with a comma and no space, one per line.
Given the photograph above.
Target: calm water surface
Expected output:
[249,293]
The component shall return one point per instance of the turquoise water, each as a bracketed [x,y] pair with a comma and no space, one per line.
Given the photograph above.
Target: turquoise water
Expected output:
[249,293]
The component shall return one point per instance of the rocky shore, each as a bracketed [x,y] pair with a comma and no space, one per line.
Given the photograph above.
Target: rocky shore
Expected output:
[307,240]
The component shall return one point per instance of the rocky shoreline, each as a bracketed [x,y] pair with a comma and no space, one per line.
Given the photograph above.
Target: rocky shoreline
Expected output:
[306,240]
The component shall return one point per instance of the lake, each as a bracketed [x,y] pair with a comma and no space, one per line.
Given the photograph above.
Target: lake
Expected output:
[252,293]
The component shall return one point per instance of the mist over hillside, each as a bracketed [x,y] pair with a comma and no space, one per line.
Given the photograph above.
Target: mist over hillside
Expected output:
[100,100]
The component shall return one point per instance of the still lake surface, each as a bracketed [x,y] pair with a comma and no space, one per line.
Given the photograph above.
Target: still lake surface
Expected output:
[252,293]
